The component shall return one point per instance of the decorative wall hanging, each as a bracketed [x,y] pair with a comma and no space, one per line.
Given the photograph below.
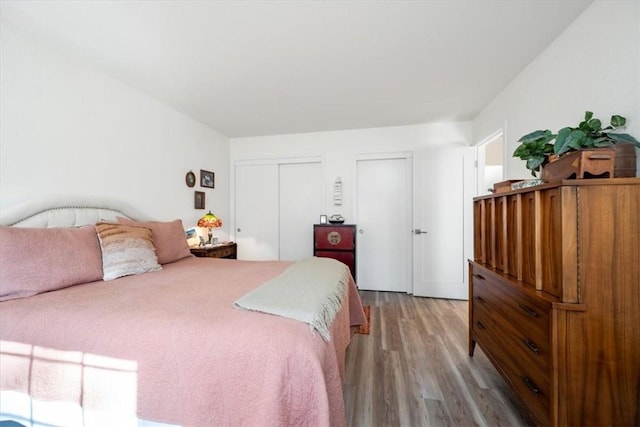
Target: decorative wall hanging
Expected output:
[207,179]
[198,200]
[337,192]
[190,179]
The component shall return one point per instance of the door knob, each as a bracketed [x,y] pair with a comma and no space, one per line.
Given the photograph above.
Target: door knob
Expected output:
[418,231]
[239,230]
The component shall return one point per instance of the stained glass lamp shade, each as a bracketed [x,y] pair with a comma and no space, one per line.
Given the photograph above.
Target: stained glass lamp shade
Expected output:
[210,221]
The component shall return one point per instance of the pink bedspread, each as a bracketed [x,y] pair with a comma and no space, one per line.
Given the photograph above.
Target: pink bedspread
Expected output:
[171,345]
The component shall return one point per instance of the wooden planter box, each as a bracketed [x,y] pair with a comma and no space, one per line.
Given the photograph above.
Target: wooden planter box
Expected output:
[504,186]
[618,161]
[625,166]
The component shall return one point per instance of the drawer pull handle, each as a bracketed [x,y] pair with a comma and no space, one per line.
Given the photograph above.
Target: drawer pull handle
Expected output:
[531,312]
[531,345]
[478,276]
[479,324]
[479,299]
[534,389]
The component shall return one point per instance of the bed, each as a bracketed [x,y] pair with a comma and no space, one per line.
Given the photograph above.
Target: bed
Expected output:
[160,346]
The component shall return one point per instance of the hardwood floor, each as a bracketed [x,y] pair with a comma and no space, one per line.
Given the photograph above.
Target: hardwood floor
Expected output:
[414,369]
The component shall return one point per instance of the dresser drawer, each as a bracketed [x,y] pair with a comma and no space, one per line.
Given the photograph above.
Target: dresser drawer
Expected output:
[514,330]
[229,250]
[530,344]
[527,314]
[482,321]
[335,237]
[533,389]
[531,350]
[347,258]
[529,332]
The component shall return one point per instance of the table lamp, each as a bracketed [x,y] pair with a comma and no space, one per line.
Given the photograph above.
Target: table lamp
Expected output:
[210,221]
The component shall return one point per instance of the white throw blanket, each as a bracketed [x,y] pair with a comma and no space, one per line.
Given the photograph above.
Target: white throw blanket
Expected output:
[311,291]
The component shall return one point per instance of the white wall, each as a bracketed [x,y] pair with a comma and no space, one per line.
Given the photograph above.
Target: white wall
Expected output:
[67,129]
[594,65]
[340,149]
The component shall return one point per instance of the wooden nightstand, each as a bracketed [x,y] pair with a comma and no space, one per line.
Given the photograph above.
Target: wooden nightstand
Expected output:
[224,250]
[337,241]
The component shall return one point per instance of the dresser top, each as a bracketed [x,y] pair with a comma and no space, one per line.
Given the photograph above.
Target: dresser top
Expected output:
[567,183]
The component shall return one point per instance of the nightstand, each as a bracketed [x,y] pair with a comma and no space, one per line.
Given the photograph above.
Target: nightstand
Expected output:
[337,241]
[223,250]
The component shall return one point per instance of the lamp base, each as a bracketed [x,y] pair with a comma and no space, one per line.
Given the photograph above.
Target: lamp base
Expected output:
[210,241]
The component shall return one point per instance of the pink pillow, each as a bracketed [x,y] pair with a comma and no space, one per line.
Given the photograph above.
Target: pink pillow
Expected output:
[126,250]
[168,238]
[36,260]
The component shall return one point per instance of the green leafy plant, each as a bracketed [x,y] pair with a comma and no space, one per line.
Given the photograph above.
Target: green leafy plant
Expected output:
[536,146]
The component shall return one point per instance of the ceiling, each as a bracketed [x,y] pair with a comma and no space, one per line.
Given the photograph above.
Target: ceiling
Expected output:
[249,68]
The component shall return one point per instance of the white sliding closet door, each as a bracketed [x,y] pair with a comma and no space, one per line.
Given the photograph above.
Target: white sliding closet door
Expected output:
[276,205]
[300,207]
[256,194]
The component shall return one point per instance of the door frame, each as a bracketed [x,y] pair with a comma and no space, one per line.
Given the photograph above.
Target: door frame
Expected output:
[408,157]
[480,157]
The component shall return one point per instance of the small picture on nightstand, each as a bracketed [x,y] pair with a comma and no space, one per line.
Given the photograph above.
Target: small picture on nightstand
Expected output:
[323,219]
[192,237]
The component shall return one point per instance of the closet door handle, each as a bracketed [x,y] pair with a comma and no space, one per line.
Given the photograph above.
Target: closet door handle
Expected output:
[478,276]
[479,299]
[479,324]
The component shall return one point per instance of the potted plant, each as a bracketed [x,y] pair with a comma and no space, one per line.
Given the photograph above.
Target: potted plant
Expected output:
[537,148]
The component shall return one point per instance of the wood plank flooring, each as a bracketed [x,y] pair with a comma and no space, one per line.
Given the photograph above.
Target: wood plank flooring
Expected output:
[414,369]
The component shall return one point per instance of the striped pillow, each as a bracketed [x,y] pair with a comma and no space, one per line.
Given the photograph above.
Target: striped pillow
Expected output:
[126,250]
[168,238]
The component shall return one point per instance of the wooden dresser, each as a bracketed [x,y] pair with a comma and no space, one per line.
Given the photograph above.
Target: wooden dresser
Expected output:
[337,241]
[554,298]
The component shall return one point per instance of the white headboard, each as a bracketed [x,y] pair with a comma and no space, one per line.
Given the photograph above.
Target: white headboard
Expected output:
[66,212]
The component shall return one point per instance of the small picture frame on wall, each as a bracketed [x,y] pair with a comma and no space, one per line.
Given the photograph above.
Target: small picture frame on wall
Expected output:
[323,219]
[198,200]
[207,179]
[190,179]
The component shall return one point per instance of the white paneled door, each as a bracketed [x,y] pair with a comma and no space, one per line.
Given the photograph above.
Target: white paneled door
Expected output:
[383,224]
[442,241]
